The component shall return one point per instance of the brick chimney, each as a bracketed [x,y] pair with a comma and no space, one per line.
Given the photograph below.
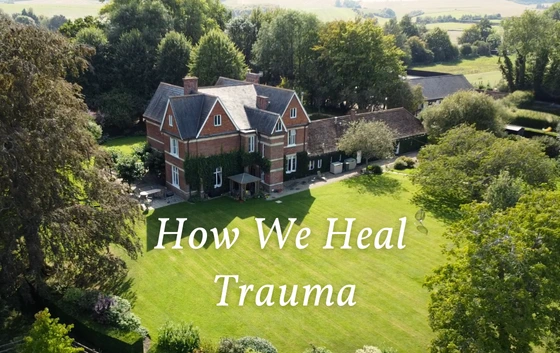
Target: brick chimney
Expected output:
[262,102]
[190,85]
[253,77]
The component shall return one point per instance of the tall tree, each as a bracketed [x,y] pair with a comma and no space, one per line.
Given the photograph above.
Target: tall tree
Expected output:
[243,33]
[284,47]
[499,290]
[437,40]
[409,28]
[358,63]
[419,52]
[374,138]
[194,18]
[393,28]
[216,56]
[173,56]
[59,211]
[533,37]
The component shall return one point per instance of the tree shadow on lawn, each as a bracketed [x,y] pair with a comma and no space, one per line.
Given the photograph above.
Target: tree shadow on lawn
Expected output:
[446,212]
[220,213]
[375,184]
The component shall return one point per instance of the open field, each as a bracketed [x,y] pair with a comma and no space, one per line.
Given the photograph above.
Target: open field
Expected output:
[391,309]
[68,8]
[326,11]
[483,69]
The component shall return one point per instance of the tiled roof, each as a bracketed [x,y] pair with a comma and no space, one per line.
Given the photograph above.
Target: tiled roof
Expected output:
[324,134]
[239,99]
[234,99]
[439,87]
[190,112]
[261,120]
[158,103]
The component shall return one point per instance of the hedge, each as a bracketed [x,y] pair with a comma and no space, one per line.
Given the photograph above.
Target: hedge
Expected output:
[96,335]
[534,119]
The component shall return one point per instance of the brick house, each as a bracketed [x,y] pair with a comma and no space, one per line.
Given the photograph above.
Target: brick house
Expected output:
[192,121]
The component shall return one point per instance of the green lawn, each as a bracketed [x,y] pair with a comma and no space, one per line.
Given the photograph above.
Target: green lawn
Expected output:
[391,309]
[483,69]
[125,145]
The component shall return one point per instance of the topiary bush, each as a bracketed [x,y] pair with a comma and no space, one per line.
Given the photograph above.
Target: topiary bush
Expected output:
[178,338]
[314,349]
[410,162]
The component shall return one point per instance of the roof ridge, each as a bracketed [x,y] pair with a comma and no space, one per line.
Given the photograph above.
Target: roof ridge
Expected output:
[169,84]
[260,110]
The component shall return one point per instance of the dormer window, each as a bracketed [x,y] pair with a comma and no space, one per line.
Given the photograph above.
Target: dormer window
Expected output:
[278,127]
[293,113]
[217,120]
[170,120]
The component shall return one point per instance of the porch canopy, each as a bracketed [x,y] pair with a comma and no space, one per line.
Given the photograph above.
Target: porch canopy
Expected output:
[243,179]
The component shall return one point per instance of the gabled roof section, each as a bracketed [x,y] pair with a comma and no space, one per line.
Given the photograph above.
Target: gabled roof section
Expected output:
[190,111]
[439,87]
[156,108]
[262,121]
[323,135]
[235,99]
[279,97]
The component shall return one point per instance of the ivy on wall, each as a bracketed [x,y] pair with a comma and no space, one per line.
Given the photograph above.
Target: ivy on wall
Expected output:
[200,171]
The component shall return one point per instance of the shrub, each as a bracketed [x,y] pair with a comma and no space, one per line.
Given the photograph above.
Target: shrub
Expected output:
[550,144]
[376,169]
[369,349]
[129,169]
[466,50]
[229,345]
[482,48]
[259,344]
[410,162]
[178,338]
[87,302]
[519,99]
[101,309]
[73,296]
[400,164]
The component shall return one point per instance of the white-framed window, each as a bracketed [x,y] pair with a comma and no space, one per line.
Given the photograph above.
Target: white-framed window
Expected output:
[291,137]
[174,147]
[319,163]
[170,120]
[218,177]
[251,147]
[293,113]
[217,120]
[278,125]
[291,163]
[311,165]
[175,176]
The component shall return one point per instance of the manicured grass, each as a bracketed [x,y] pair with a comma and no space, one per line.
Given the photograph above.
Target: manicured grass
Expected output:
[483,69]
[125,145]
[391,309]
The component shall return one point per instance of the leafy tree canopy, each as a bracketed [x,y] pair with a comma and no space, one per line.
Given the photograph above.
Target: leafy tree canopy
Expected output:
[464,108]
[173,56]
[216,56]
[48,336]
[60,213]
[375,139]
[499,290]
[460,167]
[359,64]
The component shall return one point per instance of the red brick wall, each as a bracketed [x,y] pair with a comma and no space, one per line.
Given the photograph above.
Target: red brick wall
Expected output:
[155,137]
[184,188]
[182,148]
[171,129]
[227,125]
[212,146]
[300,119]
